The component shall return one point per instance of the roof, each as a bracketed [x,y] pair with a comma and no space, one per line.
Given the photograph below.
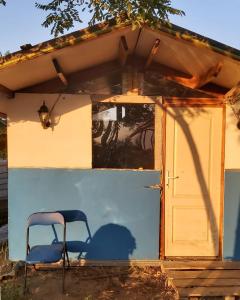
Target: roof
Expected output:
[180,49]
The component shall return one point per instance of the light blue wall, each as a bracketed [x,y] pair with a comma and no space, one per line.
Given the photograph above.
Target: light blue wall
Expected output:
[121,211]
[232,216]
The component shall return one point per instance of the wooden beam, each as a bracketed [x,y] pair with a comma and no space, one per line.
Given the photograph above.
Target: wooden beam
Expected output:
[59,72]
[6,91]
[79,81]
[156,84]
[197,81]
[183,101]
[92,81]
[123,51]
[152,53]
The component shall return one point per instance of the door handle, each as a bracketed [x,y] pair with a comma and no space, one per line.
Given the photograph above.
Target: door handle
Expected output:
[170,177]
[155,187]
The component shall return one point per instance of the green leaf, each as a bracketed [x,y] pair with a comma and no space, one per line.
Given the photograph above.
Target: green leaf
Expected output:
[63,14]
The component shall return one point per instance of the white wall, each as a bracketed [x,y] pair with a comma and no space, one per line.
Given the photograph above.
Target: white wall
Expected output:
[232,148]
[66,145]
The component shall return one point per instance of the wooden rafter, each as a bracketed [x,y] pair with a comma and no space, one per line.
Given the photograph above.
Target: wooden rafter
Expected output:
[6,91]
[152,53]
[197,81]
[59,72]
[123,51]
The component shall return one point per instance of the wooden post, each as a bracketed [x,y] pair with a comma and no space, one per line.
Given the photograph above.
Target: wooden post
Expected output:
[132,82]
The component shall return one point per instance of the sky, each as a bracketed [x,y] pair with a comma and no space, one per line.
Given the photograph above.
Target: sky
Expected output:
[20,22]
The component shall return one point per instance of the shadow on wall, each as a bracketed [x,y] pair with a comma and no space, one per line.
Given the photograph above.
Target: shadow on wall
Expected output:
[29,104]
[237,237]
[110,242]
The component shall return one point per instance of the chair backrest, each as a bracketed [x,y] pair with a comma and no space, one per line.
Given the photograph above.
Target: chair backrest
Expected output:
[73,215]
[45,218]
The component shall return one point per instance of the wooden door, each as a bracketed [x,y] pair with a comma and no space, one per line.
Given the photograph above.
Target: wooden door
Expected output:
[193,181]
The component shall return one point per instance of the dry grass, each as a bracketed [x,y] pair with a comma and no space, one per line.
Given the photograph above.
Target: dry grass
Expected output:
[90,283]
[3,253]
[86,283]
[5,265]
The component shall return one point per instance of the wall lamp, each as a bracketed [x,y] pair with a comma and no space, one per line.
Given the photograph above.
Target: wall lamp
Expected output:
[45,114]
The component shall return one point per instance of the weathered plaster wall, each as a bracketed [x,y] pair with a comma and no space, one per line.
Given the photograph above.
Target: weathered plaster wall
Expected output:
[232,215]
[123,214]
[232,189]
[51,170]
[66,145]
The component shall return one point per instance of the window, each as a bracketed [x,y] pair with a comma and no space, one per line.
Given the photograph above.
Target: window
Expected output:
[123,135]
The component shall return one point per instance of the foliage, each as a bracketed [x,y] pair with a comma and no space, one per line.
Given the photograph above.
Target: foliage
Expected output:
[63,13]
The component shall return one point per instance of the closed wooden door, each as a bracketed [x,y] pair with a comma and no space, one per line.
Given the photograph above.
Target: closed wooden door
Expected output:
[193,181]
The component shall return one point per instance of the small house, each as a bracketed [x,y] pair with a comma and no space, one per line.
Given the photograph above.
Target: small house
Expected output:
[138,129]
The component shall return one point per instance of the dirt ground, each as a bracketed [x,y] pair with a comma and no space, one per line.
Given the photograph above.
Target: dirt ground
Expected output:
[90,283]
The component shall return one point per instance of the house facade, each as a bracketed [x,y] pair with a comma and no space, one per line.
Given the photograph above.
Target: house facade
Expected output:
[141,135]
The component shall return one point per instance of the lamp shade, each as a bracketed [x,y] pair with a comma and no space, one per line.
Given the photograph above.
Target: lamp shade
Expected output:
[43,113]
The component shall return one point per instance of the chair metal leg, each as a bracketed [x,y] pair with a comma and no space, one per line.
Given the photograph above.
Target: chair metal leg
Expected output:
[67,259]
[63,279]
[25,279]
[63,274]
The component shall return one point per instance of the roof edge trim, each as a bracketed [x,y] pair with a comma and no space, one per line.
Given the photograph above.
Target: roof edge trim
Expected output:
[90,33]
[200,40]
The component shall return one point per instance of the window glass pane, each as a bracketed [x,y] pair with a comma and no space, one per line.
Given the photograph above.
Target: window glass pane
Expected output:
[123,136]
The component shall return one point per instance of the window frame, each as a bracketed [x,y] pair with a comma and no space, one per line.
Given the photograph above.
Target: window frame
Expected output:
[158,124]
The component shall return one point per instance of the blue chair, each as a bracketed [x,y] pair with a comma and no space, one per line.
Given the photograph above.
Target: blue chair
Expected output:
[45,254]
[77,246]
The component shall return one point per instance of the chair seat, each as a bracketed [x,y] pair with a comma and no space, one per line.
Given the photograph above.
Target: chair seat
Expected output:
[77,246]
[45,253]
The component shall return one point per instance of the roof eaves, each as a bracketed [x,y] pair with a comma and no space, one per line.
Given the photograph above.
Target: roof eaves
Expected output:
[90,33]
[52,45]
[199,40]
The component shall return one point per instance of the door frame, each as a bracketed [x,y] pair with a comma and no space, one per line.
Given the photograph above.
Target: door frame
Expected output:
[191,102]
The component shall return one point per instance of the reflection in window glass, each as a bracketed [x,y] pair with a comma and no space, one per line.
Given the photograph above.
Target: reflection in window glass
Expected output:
[123,136]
